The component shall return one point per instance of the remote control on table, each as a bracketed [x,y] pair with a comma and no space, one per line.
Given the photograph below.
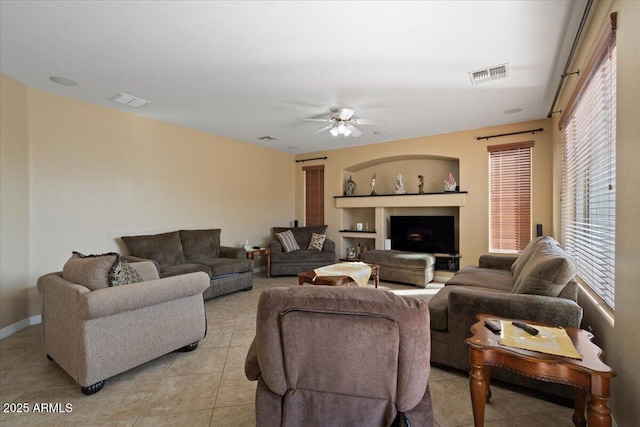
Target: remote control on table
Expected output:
[493,325]
[529,329]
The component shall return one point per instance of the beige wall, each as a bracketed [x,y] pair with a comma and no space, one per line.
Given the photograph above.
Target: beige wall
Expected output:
[96,174]
[390,158]
[14,203]
[620,340]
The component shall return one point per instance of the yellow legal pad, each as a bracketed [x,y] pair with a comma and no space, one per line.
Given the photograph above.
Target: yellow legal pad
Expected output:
[549,340]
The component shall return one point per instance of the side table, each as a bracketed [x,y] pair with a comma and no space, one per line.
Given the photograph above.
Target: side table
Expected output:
[589,375]
[252,253]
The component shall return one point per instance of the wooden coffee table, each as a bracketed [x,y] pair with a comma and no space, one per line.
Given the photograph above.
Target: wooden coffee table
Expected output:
[589,375]
[310,277]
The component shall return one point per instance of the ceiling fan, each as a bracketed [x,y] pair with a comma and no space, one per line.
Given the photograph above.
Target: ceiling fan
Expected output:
[342,122]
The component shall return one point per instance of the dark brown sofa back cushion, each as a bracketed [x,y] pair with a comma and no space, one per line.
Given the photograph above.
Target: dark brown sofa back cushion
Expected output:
[165,248]
[200,244]
[546,272]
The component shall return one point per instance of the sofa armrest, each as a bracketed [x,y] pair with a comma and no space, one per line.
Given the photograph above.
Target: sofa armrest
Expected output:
[231,252]
[329,245]
[497,261]
[251,365]
[110,301]
[465,304]
[275,247]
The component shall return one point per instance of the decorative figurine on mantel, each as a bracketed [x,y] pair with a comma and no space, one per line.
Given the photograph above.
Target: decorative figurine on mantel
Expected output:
[450,183]
[421,184]
[373,185]
[400,185]
[351,187]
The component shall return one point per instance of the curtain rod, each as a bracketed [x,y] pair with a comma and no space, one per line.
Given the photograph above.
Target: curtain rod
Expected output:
[308,160]
[533,131]
[570,58]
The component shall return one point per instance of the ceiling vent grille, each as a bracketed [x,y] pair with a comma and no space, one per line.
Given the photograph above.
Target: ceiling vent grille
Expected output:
[129,100]
[487,74]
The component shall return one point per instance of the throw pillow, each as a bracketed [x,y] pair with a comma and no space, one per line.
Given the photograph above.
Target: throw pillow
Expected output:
[287,241]
[90,271]
[547,272]
[123,274]
[317,242]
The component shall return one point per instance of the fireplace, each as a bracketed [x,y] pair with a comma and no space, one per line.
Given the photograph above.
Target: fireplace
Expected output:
[430,234]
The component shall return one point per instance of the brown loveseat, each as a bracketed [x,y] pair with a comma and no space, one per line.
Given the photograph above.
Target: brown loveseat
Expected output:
[187,251]
[94,331]
[291,263]
[335,356]
[538,285]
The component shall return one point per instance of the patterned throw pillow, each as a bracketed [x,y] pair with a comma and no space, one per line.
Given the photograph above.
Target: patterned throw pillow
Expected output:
[287,241]
[123,274]
[317,242]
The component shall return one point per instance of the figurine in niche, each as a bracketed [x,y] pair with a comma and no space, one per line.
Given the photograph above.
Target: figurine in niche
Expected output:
[351,187]
[400,185]
[450,183]
[421,184]
[373,185]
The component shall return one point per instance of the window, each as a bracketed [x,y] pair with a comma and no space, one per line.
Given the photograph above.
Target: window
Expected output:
[509,197]
[588,136]
[314,195]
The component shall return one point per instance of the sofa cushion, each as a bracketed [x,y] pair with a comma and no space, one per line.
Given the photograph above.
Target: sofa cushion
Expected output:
[288,242]
[122,273]
[224,266]
[303,234]
[200,244]
[518,264]
[165,248]
[547,271]
[188,267]
[483,277]
[317,241]
[90,271]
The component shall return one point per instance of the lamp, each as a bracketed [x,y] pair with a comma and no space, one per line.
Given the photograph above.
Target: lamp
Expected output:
[340,128]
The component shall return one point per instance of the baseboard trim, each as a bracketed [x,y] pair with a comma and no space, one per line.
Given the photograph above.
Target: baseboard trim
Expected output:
[7,331]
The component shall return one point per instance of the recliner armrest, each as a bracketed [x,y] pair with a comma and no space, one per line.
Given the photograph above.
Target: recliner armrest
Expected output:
[110,301]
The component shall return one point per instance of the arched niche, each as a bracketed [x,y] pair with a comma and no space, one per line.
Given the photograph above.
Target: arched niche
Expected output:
[434,169]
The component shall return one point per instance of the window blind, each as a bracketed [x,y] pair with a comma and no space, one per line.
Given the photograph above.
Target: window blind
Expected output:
[588,166]
[314,195]
[509,197]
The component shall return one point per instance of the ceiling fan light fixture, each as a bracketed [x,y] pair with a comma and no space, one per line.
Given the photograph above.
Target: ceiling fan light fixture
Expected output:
[334,131]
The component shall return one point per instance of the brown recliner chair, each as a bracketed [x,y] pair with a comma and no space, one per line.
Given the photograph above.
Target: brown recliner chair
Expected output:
[334,356]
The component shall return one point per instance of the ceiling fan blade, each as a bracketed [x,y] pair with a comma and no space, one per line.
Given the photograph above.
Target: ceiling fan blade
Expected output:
[317,120]
[368,122]
[345,113]
[321,129]
[355,131]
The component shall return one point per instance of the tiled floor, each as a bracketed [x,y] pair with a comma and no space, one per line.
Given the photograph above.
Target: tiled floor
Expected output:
[207,387]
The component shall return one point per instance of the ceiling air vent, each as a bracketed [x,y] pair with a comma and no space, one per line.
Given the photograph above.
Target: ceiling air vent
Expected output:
[487,74]
[129,100]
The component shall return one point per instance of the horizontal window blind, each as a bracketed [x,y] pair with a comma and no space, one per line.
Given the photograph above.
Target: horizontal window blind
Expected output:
[509,197]
[588,166]
[314,195]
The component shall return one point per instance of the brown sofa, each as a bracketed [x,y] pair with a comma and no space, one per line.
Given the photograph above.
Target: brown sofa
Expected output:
[291,263]
[538,285]
[188,251]
[94,331]
[335,356]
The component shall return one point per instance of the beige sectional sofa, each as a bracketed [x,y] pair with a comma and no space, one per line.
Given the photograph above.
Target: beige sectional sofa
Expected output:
[538,285]
[188,251]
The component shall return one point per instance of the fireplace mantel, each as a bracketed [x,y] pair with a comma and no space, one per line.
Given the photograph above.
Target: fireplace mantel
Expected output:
[446,199]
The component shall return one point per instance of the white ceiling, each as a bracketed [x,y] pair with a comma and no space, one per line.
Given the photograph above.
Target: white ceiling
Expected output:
[245,69]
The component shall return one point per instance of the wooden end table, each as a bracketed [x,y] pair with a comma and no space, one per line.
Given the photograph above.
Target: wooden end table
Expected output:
[310,277]
[589,375]
[252,253]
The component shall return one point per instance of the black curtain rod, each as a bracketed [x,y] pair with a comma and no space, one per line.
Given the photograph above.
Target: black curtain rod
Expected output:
[533,131]
[308,160]
[570,58]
